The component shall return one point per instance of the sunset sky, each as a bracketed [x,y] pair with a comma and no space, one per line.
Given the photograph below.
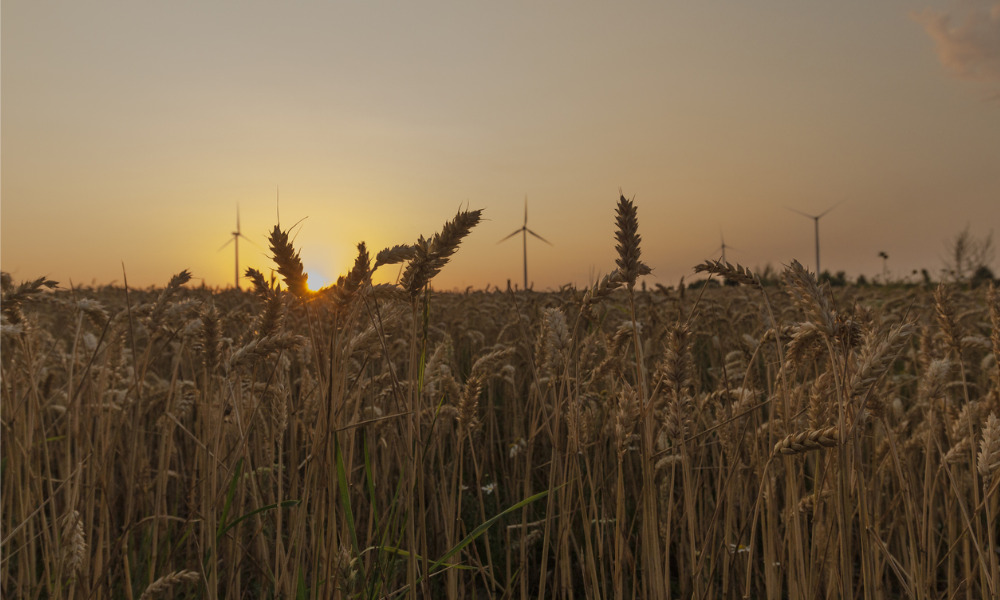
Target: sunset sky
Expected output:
[131,131]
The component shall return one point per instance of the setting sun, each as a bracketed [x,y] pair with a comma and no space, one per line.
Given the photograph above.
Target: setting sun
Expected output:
[316,284]
[320,275]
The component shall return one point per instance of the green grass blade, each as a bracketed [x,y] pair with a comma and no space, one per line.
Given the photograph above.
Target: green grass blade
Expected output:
[406,554]
[345,494]
[282,504]
[482,527]
[369,476]
[230,494]
[301,591]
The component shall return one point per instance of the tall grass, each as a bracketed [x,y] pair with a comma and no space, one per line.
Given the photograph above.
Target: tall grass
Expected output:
[384,441]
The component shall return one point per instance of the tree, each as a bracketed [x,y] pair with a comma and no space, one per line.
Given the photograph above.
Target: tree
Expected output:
[982,276]
[838,280]
[966,254]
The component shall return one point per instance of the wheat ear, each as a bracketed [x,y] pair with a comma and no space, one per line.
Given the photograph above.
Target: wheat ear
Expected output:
[628,237]
[809,296]
[289,264]
[989,450]
[167,582]
[730,272]
[810,439]
[429,256]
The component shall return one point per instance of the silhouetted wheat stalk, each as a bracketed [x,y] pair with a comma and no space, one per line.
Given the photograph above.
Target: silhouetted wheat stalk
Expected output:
[786,439]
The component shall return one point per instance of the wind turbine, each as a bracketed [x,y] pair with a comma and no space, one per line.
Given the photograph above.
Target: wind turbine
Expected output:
[524,231]
[816,219]
[236,240]
[885,267]
[724,246]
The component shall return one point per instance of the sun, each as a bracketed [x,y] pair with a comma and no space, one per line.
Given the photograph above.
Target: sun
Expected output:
[321,274]
[318,281]
[321,262]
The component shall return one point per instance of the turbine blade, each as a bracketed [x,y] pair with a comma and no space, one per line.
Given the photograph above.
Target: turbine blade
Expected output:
[511,235]
[224,245]
[237,218]
[800,212]
[829,209]
[251,241]
[525,210]
[538,236]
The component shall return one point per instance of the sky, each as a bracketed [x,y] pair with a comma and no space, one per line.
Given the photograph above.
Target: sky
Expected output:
[130,132]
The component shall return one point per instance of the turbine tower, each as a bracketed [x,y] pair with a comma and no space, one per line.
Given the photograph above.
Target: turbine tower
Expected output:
[816,219]
[724,246]
[236,240]
[524,231]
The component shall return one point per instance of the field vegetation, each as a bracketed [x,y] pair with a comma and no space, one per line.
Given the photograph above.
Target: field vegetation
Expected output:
[381,441]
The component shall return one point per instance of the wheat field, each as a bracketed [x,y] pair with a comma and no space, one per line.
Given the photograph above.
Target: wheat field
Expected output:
[753,440]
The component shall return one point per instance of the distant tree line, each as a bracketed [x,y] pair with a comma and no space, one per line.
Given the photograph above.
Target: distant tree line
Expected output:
[968,260]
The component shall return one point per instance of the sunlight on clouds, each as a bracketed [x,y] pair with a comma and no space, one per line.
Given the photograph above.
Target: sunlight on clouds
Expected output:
[967,38]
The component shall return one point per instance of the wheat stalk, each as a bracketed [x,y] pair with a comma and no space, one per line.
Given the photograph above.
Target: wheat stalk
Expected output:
[989,450]
[737,273]
[877,355]
[629,265]
[167,582]
[289,264]
[993,301]
[393,255]
[74,543]
[602,289]
[810,439]
[810,297]
[430,256]
[14,297]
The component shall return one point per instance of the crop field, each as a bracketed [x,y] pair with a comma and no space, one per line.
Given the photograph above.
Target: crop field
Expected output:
[759,439]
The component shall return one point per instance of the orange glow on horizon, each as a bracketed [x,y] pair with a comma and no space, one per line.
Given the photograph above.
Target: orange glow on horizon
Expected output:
[721,117]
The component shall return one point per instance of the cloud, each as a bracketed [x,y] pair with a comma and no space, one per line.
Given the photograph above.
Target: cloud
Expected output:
[967,38]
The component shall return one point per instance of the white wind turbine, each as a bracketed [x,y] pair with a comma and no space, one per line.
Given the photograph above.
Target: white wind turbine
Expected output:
[524,231]
[236,240]
[724,246]
[816,219]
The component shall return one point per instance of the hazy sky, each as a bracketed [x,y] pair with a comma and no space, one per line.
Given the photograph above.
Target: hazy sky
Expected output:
[131,130]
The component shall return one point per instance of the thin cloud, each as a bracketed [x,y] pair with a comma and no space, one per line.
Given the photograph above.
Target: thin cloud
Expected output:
[967,38]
